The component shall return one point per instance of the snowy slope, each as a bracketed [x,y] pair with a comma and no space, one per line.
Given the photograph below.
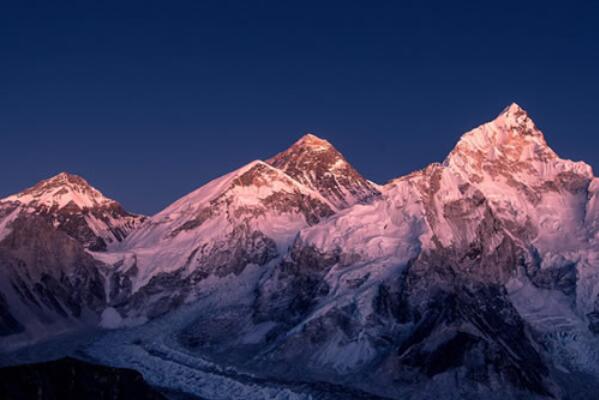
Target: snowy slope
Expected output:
[256,200]
[247,217]
[59,191]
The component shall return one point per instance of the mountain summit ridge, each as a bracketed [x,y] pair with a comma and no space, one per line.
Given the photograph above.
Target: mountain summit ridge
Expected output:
[60,190]
[316,163]
[70,203]
[313,141]
[510,145]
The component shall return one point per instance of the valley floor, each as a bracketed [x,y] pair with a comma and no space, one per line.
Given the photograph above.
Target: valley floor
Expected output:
[153,351]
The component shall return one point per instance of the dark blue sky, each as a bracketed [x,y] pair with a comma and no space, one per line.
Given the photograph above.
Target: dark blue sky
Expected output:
[149,100]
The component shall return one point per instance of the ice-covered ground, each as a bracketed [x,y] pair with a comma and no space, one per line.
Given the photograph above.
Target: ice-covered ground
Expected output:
[153,350]
[572,346]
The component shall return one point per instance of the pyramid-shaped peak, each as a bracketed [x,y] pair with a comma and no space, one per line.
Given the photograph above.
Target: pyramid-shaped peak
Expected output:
[70,204]
[315,163]
[312,141]
[61,190]
[308,153]
[67,181]
[514,109]
[64,175]
[66,178]
[515,117]
[511,137]
[512,125]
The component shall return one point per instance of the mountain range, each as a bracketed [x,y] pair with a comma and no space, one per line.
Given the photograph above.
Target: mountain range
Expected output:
[296,277]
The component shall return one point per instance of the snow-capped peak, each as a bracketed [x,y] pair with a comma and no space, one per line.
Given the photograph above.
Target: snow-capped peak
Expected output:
[513,109]
[254,212]
[512,165]
[59,191]
[70,204]
[515,117]
[247,185]
[512,137]
[313,142]
[511,145]
[316,163]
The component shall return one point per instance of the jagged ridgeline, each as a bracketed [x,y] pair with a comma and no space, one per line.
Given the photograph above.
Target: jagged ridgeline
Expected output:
[477,277]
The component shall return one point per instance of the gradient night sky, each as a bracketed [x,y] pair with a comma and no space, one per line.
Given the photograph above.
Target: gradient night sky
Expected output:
[149,100]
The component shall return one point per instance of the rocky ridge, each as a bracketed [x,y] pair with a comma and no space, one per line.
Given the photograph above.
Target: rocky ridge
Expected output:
[314,162]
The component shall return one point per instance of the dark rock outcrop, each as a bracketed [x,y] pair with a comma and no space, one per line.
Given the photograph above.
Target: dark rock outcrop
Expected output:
[47,275]
[69,378]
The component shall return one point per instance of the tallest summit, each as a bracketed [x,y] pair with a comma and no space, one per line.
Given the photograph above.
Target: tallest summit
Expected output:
[311,141]
[317,164]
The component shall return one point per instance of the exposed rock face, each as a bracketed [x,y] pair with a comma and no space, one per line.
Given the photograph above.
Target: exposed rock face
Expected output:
[48,281]
[8,323]
[295,286]
[475,334]
[69,378]
[314,162]
[73,206]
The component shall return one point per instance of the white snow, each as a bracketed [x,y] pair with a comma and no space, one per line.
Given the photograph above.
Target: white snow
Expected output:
[50,196]
[59,191]
[160,247]
[6,221]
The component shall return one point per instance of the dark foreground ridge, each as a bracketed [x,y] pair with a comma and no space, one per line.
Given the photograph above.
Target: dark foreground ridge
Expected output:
[69,378]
